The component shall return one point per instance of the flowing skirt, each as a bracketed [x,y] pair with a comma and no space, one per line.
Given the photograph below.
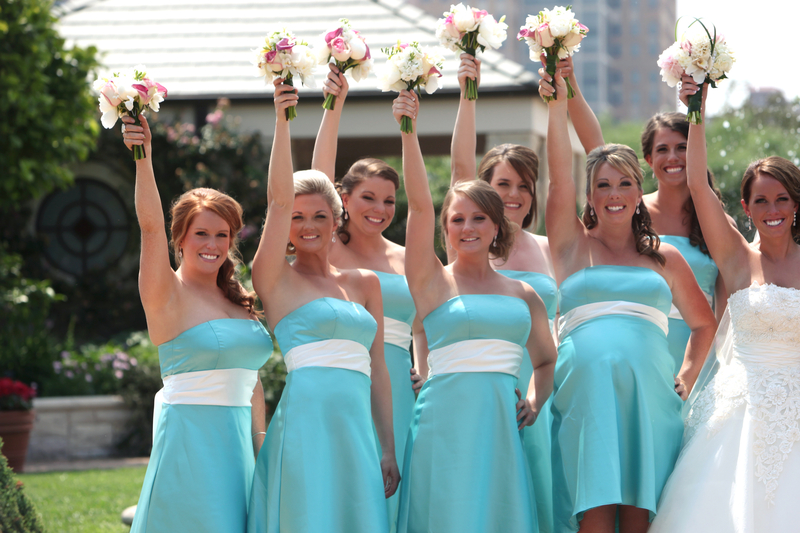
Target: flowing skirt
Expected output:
[200,472]
[616,419]
[465,470]
[318,469]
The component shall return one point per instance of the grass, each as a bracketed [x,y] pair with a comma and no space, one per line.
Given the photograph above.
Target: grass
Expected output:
[84,502]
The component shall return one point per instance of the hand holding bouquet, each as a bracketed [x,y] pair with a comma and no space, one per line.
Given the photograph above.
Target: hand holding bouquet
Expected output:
[283,56]
[706,58]
[468,29]
[349,51]
[557,34]
[128,93]
[409,67]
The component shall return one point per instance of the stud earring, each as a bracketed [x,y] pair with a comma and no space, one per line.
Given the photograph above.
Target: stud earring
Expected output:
[591,211]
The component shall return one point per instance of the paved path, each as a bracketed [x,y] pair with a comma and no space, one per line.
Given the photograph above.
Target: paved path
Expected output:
[85,464]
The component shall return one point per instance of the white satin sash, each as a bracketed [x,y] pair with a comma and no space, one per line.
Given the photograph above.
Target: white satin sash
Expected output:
[674,313]
[334,353]
[574,318]
[777,354]
[231,387]
[476,355]
[397,333]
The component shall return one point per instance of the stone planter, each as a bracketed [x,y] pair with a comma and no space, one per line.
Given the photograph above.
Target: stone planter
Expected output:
[15,430]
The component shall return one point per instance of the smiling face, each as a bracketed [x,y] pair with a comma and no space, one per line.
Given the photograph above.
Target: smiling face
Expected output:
[206,243]
[312,223]
[468,229]
[513,190]
[614,196]
[668,157]
[370,206]
[770,207]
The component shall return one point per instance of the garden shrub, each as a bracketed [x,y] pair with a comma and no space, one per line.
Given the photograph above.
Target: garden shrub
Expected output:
[17,514]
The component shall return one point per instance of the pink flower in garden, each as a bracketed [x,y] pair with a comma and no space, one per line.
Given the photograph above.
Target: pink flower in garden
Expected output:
[118,374]
[88,378]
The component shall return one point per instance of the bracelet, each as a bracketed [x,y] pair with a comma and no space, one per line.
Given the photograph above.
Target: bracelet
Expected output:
[258,433]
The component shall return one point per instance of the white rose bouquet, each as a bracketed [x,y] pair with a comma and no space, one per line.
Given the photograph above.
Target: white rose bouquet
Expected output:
[349,51]
[286,57]
[128,93]
[557,34]
[409,67]
[468,29]
[706,58]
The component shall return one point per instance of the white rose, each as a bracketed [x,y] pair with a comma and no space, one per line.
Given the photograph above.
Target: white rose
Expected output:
[491,33]
[322,52]
[560,26]
[464,20]
[389,77]
[361,71]
[358,48]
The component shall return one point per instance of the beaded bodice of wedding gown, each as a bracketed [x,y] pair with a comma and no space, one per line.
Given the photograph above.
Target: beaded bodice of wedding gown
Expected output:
[762,374]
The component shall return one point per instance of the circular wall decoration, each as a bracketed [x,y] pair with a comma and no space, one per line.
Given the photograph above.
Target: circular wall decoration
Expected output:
[85,228]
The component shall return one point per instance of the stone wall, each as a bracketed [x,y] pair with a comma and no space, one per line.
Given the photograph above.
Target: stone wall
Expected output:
[77,427]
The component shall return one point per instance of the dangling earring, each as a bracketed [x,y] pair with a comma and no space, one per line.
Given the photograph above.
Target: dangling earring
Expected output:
[180,252]
[494,242]
[749,225]
[794,220]
[344,215]
[637,209]
[333,239]
[591,211]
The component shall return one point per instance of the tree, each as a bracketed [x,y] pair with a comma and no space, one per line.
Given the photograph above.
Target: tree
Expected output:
[48,113]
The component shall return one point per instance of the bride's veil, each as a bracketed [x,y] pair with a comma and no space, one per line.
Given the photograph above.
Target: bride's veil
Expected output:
[719,355]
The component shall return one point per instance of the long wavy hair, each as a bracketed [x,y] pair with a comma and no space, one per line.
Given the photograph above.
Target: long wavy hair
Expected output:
[624,159]
[190,204]
[489,202]
[677,122]
[523,160]
[357,174]
[780,169]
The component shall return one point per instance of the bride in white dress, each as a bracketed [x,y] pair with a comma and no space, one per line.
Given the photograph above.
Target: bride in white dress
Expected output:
[739,469]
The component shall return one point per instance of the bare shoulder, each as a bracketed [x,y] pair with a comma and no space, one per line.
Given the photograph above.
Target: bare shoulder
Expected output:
[360,279]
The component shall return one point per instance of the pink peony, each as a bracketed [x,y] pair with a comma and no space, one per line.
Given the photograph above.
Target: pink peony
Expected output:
[543,36]
[340,50]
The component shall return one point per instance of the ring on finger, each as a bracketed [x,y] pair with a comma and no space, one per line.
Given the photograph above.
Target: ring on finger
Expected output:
[123,128]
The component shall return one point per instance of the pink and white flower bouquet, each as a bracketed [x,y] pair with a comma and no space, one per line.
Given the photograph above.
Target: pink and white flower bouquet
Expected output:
[706,58]
[128,93]
[349,51]
[557,34]
[469,29]
[409,67]
[284,56]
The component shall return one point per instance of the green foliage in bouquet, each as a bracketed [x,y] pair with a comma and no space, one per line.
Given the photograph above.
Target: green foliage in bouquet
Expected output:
[47,107]
[17,514]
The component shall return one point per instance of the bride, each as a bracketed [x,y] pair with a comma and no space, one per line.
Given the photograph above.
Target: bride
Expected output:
[737,471]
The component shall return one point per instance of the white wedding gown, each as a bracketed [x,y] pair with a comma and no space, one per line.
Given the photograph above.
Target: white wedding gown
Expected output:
[737,471]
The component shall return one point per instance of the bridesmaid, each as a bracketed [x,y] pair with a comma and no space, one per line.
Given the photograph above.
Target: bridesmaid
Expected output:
[465,467]
[210,346]
[671,207]
[368,192]
[512,171]
[319,470]
[617,426]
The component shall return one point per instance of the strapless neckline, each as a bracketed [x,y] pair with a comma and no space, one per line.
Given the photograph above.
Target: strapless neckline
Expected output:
[315,300]
[207,322]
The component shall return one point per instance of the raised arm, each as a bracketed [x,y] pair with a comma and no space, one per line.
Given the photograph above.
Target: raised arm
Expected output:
[324,158]
[157,281]
[583,118]
[270,257]
[421,264]
[727,246]
[561,218]
[463,144]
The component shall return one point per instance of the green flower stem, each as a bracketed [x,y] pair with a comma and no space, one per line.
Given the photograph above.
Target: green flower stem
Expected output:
[405,125]
[472,85]
[550,67]
[291,112]
[695,105]
[138,149]
[330,102]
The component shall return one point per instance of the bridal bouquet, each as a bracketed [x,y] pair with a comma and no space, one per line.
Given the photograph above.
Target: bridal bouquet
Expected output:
[349,50]
[409,67]
[468,29]
[128,93]
[286,57]
[558,34]
[706,58]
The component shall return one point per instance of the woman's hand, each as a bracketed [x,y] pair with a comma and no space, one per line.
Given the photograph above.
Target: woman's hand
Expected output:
[136,135]
[469,68]
[681,389]
[335,84]
[688,88]
[525,414]
[285,97]
[546,81]
[391,474]
[417,381]
[406,104]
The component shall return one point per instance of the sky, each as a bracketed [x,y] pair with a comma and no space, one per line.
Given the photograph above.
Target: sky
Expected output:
[769,61]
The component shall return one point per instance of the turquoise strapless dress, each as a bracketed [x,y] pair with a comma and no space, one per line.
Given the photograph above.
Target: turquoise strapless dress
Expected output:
[201,466]
[705,271]
[537,438]
[617,423]
[465,470]
[399,311]
[318,469]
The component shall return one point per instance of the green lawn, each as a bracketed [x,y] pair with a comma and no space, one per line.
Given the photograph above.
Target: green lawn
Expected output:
[84,502]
